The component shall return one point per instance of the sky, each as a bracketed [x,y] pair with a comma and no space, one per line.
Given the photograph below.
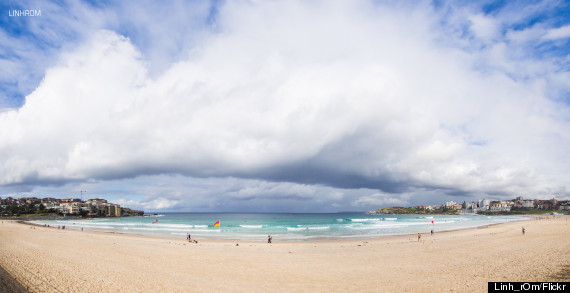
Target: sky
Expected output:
[285,106]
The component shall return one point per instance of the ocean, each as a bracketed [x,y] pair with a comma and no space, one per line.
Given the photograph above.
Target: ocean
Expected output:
[281,226]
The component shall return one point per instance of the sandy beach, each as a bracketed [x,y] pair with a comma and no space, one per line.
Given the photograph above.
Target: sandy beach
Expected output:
[42,259]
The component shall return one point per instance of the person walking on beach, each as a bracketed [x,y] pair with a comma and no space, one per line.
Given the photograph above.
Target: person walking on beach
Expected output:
[523,230]
[269,239]
[419,236]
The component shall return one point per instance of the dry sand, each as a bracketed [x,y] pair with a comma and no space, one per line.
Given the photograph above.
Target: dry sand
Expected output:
[52,260]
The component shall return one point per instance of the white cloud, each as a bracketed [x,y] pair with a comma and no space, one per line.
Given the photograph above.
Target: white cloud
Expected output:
[352,94]
[381,200]
[558,33]
[485,27]
[274,190]
[156,204]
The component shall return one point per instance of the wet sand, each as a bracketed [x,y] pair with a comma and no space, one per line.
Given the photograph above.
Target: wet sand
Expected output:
[52,260]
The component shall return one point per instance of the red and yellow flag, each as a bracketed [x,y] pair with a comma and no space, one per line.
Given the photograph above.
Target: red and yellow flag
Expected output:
[217,224]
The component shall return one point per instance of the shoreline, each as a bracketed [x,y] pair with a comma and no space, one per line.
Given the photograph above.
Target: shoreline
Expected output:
[42,259]
[526,217]
[292,241]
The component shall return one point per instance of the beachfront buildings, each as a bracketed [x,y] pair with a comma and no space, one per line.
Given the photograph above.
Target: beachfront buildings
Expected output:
[500,206]
[113,210]
[518,203]
[92,207]
[104,208]
[452,205]
[482,206]
[476,206]
[71,206]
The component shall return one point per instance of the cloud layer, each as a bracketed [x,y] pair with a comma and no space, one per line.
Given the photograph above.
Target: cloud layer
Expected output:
[304,97]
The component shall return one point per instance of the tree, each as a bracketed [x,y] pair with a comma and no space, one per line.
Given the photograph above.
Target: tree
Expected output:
[31,208]
[14,209]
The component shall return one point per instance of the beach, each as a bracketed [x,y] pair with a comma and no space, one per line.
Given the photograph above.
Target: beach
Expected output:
[41,259]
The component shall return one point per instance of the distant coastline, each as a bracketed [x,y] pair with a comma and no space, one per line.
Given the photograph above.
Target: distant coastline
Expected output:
[514,207]
[512,212]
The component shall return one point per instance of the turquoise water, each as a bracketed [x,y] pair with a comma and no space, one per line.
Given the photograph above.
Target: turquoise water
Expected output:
[256,226]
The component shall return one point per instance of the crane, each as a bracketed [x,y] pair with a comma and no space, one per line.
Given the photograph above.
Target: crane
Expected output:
[82,191]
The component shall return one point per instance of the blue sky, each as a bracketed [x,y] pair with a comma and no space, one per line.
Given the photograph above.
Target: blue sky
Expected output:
[293,106]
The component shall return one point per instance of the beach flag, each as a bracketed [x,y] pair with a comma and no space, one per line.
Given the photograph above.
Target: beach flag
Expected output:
[217,224]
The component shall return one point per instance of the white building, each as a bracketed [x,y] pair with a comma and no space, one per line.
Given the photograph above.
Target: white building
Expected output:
[70,208]
[450,204]
[500,206]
